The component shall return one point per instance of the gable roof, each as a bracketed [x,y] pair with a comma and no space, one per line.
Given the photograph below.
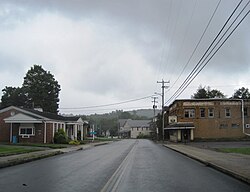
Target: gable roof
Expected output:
[138,123]
[20,117]
[41,115]
[122,122]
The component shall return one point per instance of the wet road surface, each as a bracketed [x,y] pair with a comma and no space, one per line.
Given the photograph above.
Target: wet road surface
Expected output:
[128,165]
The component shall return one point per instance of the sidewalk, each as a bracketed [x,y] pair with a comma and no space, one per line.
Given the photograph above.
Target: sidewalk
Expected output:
[27,157]
[236,165]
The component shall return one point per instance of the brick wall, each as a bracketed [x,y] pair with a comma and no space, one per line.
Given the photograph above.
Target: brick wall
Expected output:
[39,130]
[5,128]
[218,126]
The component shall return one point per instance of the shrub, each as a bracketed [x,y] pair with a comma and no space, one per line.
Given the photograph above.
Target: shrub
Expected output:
[74,142]
[60,137]
[142,136]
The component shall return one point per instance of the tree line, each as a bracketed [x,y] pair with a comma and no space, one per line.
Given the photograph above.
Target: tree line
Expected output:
[207,92]
[39,90]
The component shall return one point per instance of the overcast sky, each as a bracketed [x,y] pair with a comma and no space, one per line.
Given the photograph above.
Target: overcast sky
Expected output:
[110,51]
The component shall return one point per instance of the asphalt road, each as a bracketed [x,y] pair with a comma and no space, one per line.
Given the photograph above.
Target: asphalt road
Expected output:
[128,165]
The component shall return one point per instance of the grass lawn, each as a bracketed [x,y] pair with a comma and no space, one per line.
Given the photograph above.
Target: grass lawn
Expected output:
[245,151]
[52,146]
[13,150]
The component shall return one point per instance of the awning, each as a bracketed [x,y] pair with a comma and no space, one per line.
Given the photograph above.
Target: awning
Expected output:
[180,125]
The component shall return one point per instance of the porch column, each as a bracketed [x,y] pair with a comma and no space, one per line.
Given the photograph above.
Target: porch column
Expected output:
[53,131]
[75,131]
[45,132]
[179,135]
[192,134]
[81,127]
[64,127]
[11,132]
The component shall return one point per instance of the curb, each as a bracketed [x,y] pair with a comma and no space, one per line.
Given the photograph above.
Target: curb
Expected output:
[27,159]
[213,165]
[32,157]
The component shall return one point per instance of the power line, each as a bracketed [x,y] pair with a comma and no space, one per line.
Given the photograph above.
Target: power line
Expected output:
[107,109]
[106,105]
[199,62]
[214,53]
[197,45]
[200,65]
[186,32]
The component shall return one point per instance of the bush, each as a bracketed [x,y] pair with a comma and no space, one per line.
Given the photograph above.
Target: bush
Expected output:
[60,137]
[142,136]
[74,142]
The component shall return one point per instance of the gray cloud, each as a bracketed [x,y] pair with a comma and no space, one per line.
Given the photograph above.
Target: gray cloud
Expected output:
[117,49]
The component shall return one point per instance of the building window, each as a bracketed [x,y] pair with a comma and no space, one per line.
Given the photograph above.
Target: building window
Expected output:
[202,112]
[211,112]
[223,126]
[189,113]
[235,126]
[227,113]
[26,131]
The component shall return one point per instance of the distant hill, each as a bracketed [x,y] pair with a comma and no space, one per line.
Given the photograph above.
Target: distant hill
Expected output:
[149,113]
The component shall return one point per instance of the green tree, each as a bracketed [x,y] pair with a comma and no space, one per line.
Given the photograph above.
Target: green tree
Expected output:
[200,93]
[125,115]
[214,93]
[205,93]
[242,93]
[42,89]
[13,96]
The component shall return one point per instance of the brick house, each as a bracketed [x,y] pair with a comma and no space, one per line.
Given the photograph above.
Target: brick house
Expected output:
[191,119]
[129,128]
[34,126]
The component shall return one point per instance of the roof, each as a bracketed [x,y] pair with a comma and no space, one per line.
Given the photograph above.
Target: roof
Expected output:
[207,100]
[122,122]
[42,115]
[138,123]
[46,114]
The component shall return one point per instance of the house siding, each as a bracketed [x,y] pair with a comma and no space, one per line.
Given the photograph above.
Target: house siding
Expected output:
[135,132]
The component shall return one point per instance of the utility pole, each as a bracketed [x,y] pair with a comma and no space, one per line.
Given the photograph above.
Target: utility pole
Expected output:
[162,95]
[154,124]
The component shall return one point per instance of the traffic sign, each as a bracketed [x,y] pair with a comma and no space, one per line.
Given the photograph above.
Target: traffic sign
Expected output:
[92,133]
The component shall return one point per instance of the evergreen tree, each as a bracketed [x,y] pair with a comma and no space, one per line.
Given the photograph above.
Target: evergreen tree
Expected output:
[242,93]
[42,89]
[205,93]
[13,96]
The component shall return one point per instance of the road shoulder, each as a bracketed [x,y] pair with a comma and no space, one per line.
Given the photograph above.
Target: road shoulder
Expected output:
[12,160]
[236,165]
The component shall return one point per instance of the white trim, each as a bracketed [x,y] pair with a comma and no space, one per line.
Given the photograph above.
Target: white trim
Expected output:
[32,134]
[45,133]
[11,132]
[53,130]
[24,111]
[177,128]
[25,136]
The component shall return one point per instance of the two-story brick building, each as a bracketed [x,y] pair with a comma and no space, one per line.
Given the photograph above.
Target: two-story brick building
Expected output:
[191,119]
